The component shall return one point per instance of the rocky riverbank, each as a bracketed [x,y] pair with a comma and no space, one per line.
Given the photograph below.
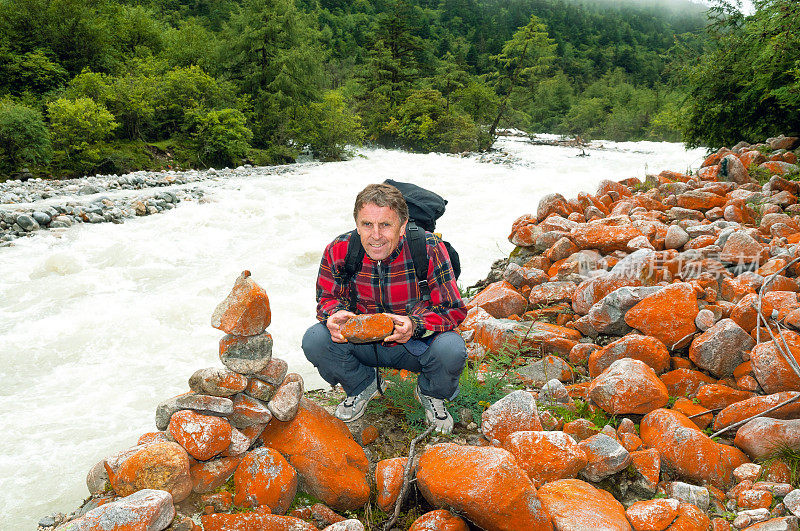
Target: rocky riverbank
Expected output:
[646,340]
[36,204]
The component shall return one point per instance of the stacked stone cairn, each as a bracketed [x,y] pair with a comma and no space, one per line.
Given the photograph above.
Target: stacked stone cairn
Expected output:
[247,423]
[671,307]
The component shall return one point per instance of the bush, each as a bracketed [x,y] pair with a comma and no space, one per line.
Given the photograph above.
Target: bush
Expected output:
[76,124]
[220,137]
[23,137]
[329,127]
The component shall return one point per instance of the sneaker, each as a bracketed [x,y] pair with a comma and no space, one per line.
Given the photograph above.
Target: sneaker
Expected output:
[435,412]
[352,407]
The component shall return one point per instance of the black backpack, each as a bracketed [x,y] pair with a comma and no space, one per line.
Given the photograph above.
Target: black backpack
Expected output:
[424,208]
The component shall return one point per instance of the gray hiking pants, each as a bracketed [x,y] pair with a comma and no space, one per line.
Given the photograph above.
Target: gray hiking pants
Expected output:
[439,366]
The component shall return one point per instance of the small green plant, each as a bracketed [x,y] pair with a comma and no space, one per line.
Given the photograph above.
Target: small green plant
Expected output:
[580,409]
[790,456]
[468,291]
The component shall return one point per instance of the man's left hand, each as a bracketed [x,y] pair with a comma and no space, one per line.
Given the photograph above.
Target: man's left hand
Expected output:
[403,329]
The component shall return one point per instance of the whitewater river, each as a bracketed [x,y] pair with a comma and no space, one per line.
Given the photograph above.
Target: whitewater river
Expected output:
[102,322]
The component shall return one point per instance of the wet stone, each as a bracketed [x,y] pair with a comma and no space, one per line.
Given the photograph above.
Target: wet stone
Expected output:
[246,355]
[205,404]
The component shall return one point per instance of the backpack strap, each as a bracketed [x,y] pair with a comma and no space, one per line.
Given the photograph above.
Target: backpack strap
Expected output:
[352,265]
[419,254]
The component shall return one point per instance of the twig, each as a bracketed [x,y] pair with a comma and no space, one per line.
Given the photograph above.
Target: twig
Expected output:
[748,419]
[707,412]
[406,478]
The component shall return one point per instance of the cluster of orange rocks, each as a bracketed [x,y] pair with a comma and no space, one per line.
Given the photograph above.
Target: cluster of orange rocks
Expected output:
[247,423]
[671,306]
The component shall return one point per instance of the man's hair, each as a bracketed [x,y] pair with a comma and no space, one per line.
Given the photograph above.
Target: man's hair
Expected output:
[383,195]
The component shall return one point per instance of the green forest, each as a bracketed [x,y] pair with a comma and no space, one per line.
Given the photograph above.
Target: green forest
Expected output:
[106,86]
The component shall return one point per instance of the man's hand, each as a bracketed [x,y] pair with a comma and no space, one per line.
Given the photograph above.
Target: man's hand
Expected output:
[334,323]
[403,329]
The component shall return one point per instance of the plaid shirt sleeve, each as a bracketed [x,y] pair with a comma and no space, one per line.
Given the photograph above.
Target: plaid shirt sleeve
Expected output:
[332,295]
[446,310]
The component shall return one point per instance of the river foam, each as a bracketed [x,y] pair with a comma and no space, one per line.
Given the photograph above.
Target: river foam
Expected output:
[99,323]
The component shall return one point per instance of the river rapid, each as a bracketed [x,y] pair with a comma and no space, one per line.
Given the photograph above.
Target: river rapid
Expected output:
[101,322]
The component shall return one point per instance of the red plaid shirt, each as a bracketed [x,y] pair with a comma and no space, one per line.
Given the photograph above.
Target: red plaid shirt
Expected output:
[387,286]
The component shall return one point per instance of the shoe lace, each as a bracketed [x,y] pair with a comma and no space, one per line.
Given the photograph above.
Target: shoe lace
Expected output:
[436,404]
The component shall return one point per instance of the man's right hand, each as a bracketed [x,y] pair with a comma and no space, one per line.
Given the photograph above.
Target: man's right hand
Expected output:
[334,323]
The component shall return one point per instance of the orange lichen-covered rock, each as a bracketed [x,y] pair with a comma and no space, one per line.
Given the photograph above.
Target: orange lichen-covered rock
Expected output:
[720,349]
[552,204]
[668,315]
[758,404]
[500,299]
[646,349]
[495,334]
[762,436]
[216,381]
[741,248]
[439,520]
[772,369]
[690,518]
[689,451]
[605,456]
[685,382]
[628,386]
[754,499]
[551,292]
[778,167]
[690,409]
[647,466]
[653,515]
[580,429]
[516,411]
[160,466]
[590,291]
[546,455]
[145,509]
[368,327]
[264,477]
[389,480]
[203,436]
[245,311]
[718,396]
[319,446]
[604,238]
[210,475]
[700,200]
[485,484]
[575,505]
[254,521]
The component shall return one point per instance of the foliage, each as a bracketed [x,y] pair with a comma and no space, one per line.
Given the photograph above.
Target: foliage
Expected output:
[424,123]
[221,137]
[746,86]
[474,394]
[329,126]
[580,409]
[524,60]
[789,456]
[78,123]
[23,137]
[270,50]
[416,74]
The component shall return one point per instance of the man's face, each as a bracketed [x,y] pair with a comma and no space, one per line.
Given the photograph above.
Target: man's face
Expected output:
[380,230]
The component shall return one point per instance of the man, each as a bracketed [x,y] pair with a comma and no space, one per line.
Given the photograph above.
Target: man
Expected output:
[423,340]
